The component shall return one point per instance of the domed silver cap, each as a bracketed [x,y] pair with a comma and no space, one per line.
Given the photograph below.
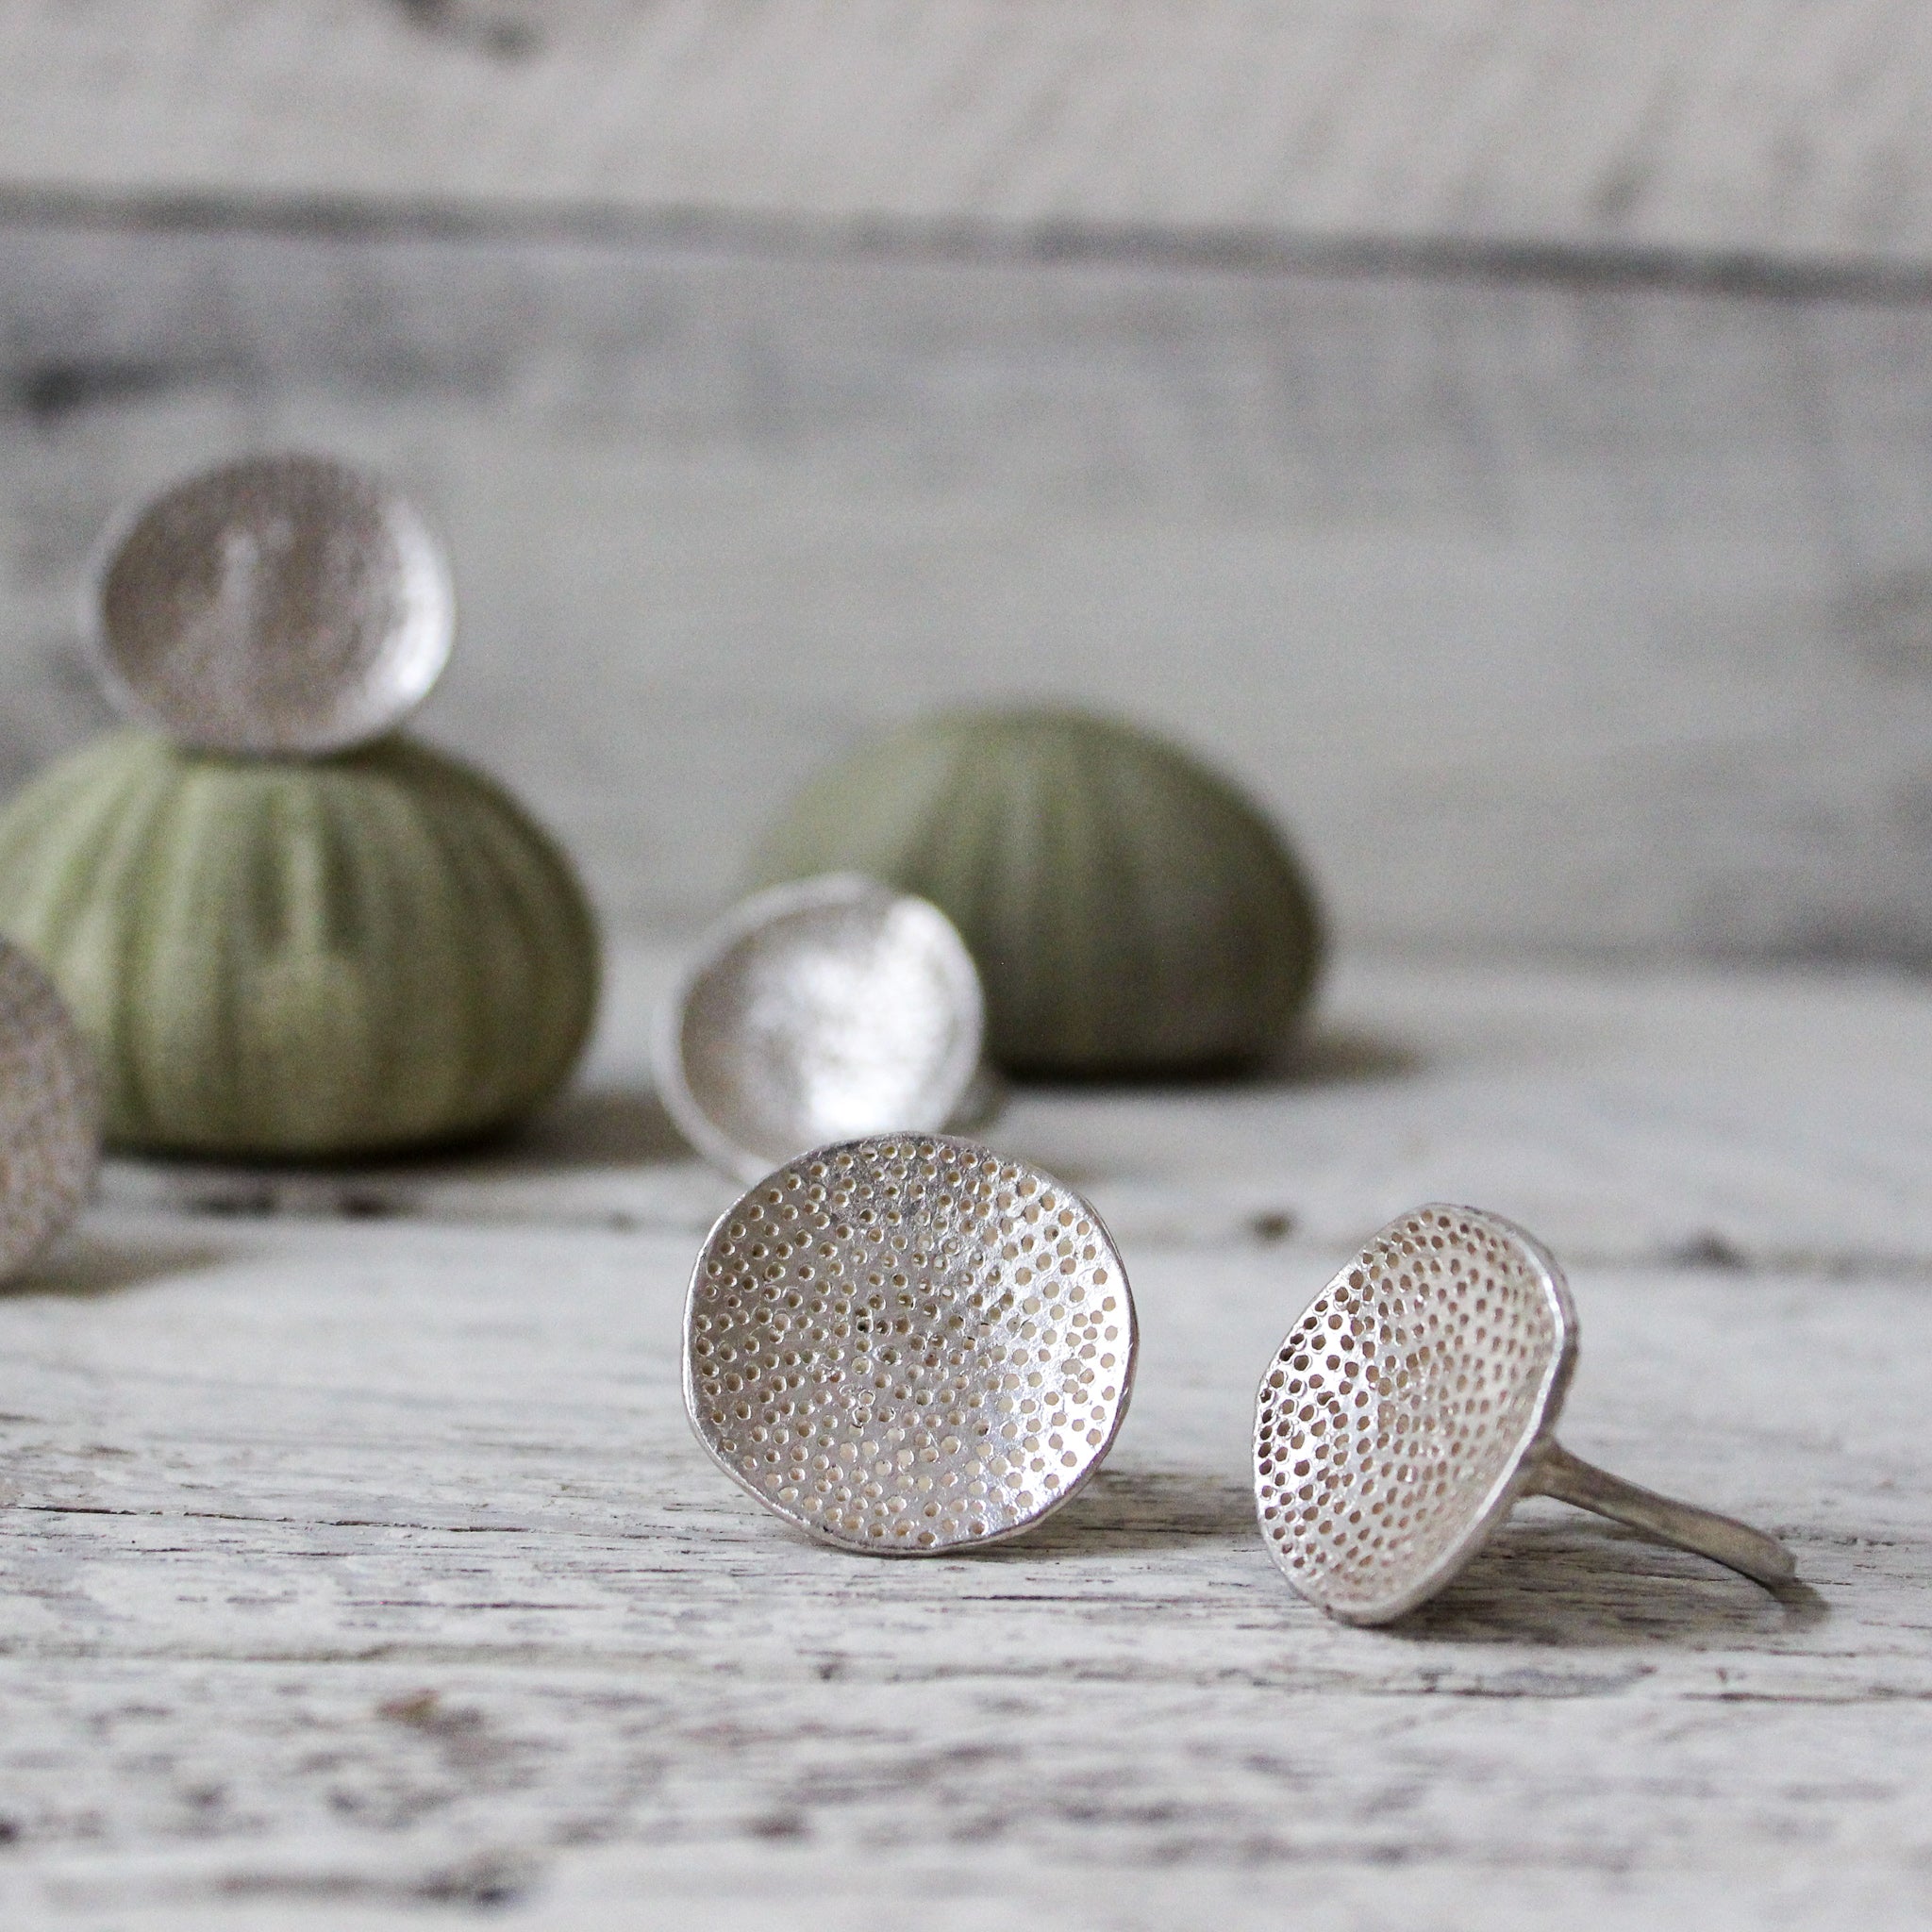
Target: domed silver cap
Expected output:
[286,604]
[50,1113]
[823,1011]
[907,1345]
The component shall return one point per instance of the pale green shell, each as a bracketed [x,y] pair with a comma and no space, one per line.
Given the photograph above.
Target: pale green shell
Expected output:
[1131,911]
[309,957]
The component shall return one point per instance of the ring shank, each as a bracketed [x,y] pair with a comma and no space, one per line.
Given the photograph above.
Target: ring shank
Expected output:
[1554,1472]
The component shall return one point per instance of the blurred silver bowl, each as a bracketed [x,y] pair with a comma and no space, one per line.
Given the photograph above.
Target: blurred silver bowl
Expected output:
[286,604]
[827,1009]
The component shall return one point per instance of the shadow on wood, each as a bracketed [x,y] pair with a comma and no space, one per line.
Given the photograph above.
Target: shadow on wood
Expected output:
[1333,1055]
[611,1127]
[1568,1586]
[1142,1509]
[1322,1057]
[86,1266]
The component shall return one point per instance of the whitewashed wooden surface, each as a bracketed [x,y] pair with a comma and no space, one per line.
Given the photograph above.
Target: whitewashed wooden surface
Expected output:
[1770,1121]
[1575,619]
[1780,131]
[359,1570]
[1500,431]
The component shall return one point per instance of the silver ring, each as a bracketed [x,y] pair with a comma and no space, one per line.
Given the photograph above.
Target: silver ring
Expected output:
[1416,1401]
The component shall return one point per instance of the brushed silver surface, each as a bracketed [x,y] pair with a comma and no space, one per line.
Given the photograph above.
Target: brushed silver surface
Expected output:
[284,604]
[908,1344]
[50,1113]
[822,1011]
[1414,1402]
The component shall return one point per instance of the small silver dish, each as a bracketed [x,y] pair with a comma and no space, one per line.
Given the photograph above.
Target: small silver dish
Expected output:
[286,604]
[908,1346]
[1416,1401]
[827,1009]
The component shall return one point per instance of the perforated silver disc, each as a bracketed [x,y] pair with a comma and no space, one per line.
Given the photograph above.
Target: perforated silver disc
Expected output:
[286,604]
[50,1113]
[1391,1425]
[908,1344]
[820,1011]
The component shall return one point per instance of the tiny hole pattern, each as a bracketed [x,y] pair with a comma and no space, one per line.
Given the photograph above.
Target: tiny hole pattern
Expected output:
[1396,1404]
[907,1343]
[49,1114]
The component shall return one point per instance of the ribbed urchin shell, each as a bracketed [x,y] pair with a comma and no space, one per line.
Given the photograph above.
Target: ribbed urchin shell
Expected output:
[1131,911]
[300,958]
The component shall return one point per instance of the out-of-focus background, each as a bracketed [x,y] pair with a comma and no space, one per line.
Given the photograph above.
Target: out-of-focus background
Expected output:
[1500,431]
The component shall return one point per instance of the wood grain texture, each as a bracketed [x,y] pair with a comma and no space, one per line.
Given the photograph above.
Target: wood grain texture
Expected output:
[1737,1122]
[779,370]
[359,1564]
[355,1569]
[1560,618]
[1783,130]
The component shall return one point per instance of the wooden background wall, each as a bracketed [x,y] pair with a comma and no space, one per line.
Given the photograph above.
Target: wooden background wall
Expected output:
[1499,430]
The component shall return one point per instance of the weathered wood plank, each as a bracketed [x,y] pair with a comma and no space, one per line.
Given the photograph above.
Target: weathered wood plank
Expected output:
[1728,1121]
[1735,127]
[415,1512]
[1560,619]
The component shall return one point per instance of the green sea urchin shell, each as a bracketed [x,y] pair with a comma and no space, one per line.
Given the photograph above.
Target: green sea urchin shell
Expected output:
[1131,911]
[320,957]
